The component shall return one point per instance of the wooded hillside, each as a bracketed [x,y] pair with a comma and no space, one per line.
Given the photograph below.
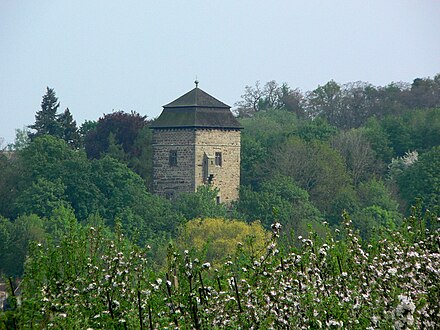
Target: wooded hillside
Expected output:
[350,156]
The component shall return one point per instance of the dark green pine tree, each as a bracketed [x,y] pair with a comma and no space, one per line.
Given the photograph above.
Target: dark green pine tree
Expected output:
[46,122]
[69,129]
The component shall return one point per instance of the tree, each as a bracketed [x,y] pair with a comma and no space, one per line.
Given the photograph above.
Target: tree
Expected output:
[279,199]
[70,132]
[270,97]
[316,129]
[201,204]
[126,137]
[216,238]
[422,180]
[424,126]
[375,193]
[20,233]
[5,243]
[325,101]
[46,119]
[359,101]
[424,93]
[377,209]
[21,139]
[142,163]
[263,132]
[252,155]
[372,220]
[359,157]
[124,126]
[41,197]
[87,127]
[49,122]
[399,134]
[378,139]
[314,166]
[293,100]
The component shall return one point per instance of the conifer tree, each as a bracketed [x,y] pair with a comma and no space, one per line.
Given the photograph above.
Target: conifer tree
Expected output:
[46,119]
[69,129]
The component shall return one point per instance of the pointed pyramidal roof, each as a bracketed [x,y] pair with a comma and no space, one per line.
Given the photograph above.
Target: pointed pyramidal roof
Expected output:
[196,109]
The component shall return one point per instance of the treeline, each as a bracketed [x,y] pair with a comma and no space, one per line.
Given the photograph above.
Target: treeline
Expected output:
[344,106]
[301,165]
[97,249]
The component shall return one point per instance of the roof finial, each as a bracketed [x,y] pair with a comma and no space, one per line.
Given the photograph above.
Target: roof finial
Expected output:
[196,82]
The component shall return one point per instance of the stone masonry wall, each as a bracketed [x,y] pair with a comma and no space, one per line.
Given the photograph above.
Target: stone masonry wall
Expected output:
[227,176]
[192,147]
[169,181]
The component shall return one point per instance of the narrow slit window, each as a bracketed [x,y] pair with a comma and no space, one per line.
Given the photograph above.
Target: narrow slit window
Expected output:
[173,158]
[218,159]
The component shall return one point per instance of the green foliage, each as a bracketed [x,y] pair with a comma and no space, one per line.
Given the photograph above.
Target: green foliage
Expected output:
[53,175]
[270,127]
[18,235]
[110,275]
[142,163]
[59,222]
[252,156]
[21,139]
[201,204]
[314,166]
[92,280]
[316,129]
[123,136]
[422,180]
[125,128]
[41,197]
[46,119]
[375,192]
[359,157]
[416,130]
[86,127]
[279,199]
[372,220]
[9,174]
[379,140]
[324,101]
[69,129]
[49,122]
[399,134]
[5,241]
[271,96]
[217,238]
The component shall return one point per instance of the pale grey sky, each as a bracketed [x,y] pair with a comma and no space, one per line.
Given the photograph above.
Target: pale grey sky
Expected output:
[109,55]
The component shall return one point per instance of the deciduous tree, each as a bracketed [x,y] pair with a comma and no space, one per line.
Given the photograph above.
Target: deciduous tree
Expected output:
[218,238]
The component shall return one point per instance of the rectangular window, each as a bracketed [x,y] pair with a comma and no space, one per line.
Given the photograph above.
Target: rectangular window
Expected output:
[173,158]
[218,159]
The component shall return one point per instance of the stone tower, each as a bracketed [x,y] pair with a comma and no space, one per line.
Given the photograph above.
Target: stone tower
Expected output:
[196,141]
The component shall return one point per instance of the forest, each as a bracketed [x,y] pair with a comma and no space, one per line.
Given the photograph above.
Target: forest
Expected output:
[337,224]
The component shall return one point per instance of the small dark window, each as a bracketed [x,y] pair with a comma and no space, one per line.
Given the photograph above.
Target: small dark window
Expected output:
[217,199]
[173,158]
[218,159]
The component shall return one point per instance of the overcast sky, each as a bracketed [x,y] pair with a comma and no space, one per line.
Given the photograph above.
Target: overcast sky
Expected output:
[101,56]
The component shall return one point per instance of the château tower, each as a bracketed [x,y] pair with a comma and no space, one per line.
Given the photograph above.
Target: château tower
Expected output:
[196,141]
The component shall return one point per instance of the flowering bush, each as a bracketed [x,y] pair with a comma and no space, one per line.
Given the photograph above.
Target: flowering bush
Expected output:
[93,281]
